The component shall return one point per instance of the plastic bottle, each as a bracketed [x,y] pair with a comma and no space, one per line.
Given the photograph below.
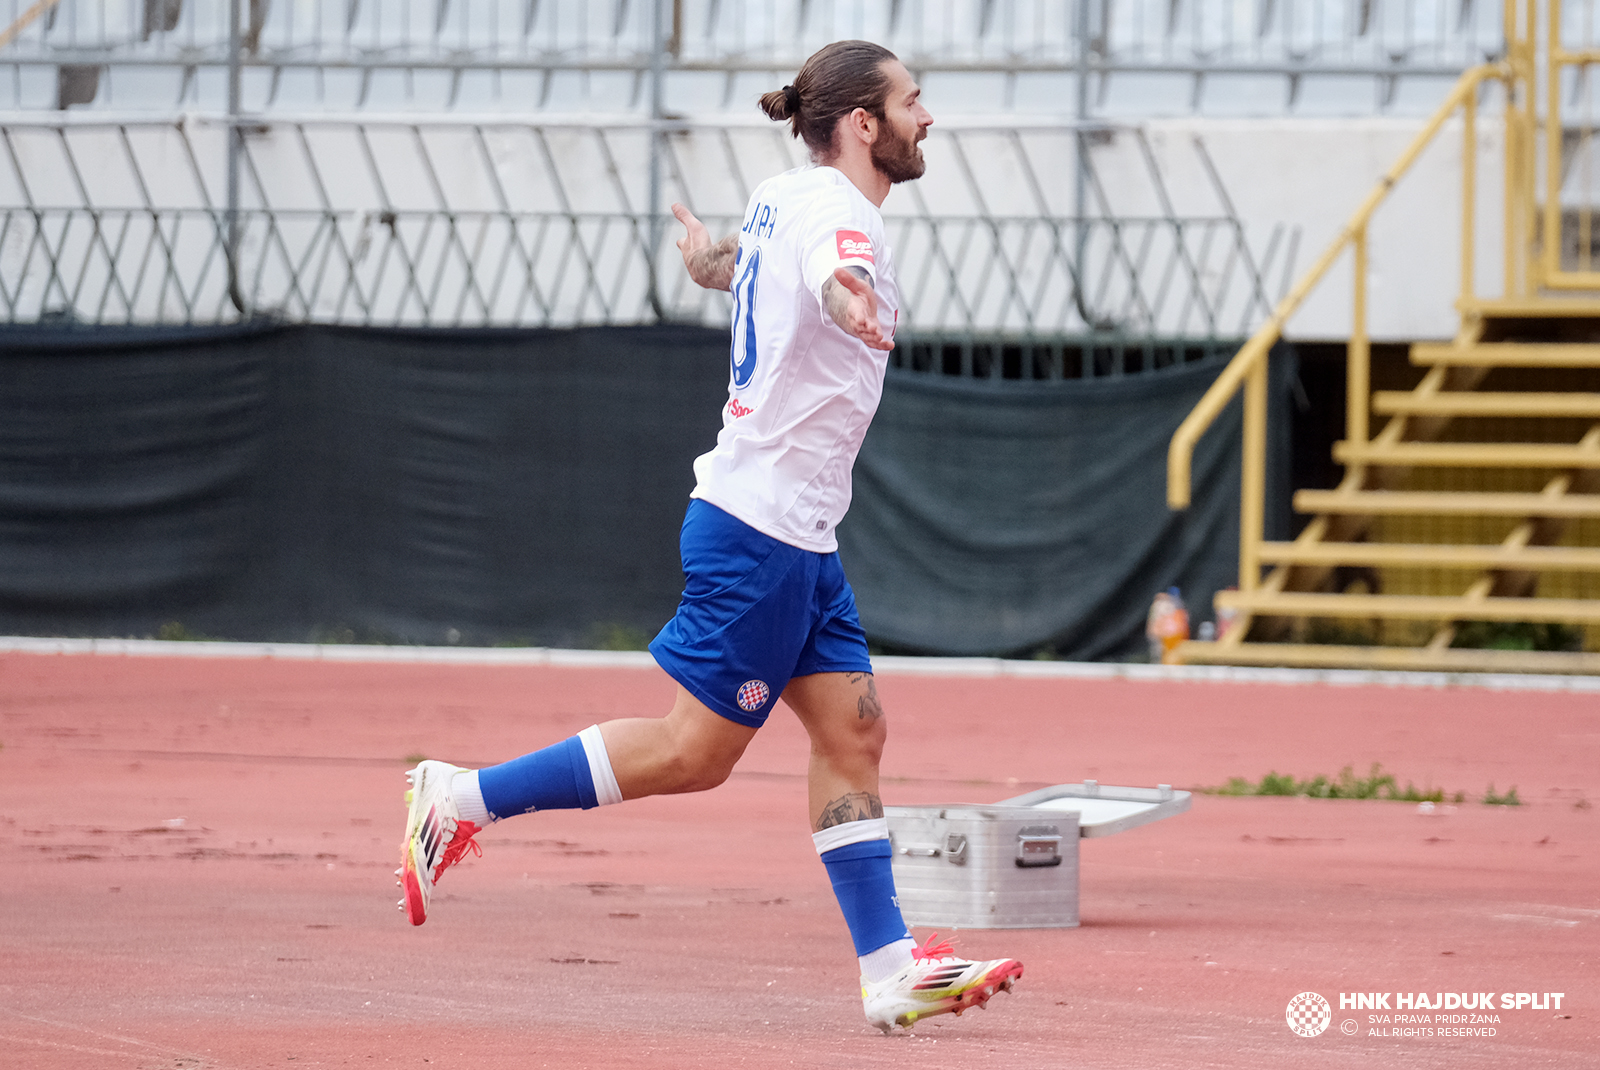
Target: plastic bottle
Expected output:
[1226,615]
[1167,625]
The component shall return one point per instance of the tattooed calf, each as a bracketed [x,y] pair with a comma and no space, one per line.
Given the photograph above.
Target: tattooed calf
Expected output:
[857,806]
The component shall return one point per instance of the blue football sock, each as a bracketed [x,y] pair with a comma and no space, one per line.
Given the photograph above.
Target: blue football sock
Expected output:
[863,882]
[556,778]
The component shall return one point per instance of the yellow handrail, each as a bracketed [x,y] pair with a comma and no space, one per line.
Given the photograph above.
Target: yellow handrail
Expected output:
[1251,358]
[1552,275]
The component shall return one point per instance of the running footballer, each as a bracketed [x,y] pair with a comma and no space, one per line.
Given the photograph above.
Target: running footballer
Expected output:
[766,610]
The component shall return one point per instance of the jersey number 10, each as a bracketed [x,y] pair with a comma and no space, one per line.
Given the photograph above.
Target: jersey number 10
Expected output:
[743,354]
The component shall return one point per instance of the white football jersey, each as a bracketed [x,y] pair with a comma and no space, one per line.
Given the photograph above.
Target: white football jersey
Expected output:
[801,391]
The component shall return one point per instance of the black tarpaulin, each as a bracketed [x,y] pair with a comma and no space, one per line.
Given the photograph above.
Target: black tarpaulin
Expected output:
[995,516]
[295,483]
[302,483]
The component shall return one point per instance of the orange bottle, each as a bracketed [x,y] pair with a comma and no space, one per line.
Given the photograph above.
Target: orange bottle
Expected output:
[1167,625]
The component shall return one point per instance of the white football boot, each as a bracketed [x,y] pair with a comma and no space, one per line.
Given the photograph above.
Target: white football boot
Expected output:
[935,982]
[436,836]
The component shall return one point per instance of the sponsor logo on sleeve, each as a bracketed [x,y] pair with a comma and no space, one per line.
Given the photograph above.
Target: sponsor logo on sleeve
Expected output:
[854,245]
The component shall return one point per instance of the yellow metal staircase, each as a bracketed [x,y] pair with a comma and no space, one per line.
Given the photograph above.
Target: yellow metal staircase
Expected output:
[1476,503]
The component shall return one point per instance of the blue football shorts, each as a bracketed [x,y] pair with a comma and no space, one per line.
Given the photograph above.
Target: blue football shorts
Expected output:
[755,614]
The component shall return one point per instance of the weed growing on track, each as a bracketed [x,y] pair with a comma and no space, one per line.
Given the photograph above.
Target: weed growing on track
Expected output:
[1375,785]
[1508,799]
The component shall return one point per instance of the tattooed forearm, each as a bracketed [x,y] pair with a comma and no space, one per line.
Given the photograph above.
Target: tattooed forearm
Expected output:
[836,299]
[712,267]
[868,708]
[857,806]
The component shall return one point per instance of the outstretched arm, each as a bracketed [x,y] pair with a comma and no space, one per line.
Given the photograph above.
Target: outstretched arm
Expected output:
[853,305]
[709,265]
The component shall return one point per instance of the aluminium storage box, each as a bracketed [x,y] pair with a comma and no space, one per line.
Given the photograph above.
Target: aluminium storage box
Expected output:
[1012,864]
[985,867]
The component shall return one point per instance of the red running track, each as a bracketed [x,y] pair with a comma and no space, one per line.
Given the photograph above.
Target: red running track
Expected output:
[199,852]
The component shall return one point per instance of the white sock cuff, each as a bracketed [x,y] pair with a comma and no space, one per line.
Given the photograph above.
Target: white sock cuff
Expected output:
[831,839]
[606,791]
[468,797]
[888,960]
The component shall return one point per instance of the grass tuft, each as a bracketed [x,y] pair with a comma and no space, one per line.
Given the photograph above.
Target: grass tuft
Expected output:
[174,632]
[611,635]
[1517,635]
[1508,799]
[1375,785]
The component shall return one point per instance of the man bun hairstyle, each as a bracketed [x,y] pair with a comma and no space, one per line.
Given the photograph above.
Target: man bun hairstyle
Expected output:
[834,82]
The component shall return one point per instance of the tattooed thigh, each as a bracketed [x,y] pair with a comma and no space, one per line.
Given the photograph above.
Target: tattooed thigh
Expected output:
[868,708]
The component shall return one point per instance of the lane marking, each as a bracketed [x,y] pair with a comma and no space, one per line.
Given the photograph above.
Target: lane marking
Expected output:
[977,668]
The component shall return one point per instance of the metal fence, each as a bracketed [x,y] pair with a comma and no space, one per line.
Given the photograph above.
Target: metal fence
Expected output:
[511,162]
[1073,56]
[1033,232]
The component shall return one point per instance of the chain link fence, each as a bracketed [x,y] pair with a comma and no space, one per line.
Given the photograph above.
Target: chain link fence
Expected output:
[550,225]
[447,163]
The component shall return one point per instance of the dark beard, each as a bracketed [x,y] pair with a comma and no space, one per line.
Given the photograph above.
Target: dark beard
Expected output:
[898,158]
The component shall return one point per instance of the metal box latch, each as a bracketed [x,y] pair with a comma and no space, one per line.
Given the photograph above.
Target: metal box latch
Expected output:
[954,850]
[1038,845]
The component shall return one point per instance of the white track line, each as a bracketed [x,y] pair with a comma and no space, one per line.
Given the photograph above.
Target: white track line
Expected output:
[981,668]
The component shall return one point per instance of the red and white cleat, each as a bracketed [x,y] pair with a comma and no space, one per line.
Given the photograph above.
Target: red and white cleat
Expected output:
[935,982]
[436,836]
